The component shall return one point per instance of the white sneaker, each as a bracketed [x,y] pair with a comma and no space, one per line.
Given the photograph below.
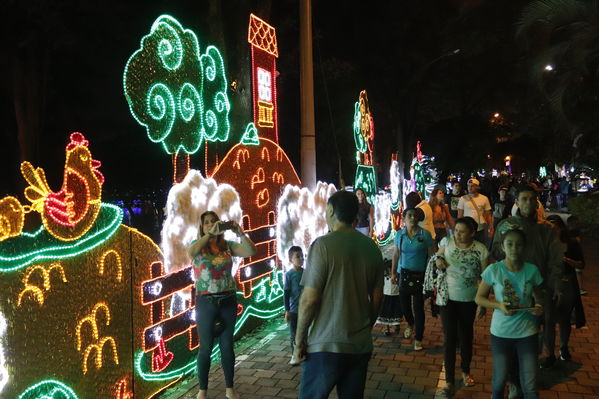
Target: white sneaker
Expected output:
[294,361]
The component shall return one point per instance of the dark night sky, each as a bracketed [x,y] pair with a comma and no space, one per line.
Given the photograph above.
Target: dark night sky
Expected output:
[383,47]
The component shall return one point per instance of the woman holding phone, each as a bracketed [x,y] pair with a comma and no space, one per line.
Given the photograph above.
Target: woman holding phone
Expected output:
[216,303]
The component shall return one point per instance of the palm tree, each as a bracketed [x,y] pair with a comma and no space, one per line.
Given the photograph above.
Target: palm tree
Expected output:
[562,37]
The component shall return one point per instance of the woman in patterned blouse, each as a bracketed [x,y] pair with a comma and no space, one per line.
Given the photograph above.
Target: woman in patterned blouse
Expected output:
[216,304]
[463,260]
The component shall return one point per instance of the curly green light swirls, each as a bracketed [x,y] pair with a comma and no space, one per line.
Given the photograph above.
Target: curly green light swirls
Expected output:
[216,103]
[178,94]
[190,103]
[161,108]
[170,48]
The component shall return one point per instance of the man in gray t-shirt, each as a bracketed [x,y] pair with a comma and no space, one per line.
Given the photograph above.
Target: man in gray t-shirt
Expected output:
[343,290]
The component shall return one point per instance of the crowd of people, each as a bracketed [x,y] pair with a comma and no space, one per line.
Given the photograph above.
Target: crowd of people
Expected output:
[465,252]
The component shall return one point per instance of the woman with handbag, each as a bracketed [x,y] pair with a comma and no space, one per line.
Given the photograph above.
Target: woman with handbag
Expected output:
[463,260]
[216,304]
[413,246]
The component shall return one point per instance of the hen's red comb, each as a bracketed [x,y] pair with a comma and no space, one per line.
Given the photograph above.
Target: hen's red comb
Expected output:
[76,140]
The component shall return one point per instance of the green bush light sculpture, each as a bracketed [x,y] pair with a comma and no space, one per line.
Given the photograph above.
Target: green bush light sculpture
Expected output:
[178,94]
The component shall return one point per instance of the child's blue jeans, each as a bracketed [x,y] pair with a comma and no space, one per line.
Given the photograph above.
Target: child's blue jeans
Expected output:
[526,350]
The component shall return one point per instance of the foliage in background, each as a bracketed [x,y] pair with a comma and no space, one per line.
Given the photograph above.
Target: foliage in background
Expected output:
[586,208]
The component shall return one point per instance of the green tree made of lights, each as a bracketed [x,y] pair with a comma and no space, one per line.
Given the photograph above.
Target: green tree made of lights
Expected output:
[177,93]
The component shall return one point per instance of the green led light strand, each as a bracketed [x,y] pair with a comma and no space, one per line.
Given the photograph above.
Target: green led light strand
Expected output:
[250,136]
[216,103]
[366,180]
[48,389]
[178,94]
[108,222]
[361,144]
[160,106]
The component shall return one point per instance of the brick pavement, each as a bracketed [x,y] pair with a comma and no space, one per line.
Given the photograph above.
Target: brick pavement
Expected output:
[397,372]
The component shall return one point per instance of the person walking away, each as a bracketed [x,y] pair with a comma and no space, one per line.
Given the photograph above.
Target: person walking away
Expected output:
[442,219]
[570,303]
[414,200]
[514,327]
[391,313]
[216,302]
[502,207]
[573,224]
[543,250]
[413,246]
[477,206]
[365,220]
[343,291]
[454,198]
[463,259]
[292,290]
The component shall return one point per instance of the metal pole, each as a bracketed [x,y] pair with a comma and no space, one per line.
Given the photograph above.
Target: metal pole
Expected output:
[308,142]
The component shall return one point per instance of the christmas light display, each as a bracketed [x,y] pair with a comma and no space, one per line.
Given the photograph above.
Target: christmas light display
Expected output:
[3,370]
[69,213]
[264,51]
[301,217]
[186,202]
[177,93]
[363,128]
[48,389]
[259,174]
[113,316]
[36,292]
[12,217]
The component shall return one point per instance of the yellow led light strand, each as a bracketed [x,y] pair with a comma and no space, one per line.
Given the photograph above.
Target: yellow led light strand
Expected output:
[38,294]
[92,320]
[99,347]
[57,209]
[119,265]
[262,35]
[12,217]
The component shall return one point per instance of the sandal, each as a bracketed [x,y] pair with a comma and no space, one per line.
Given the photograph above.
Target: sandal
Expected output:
[468,380]
[447,391]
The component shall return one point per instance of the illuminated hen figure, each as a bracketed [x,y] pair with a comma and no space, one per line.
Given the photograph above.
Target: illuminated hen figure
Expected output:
[70,212]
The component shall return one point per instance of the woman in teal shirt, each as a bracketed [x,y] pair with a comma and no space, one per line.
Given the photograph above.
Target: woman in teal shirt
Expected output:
[514,326]
[413,246]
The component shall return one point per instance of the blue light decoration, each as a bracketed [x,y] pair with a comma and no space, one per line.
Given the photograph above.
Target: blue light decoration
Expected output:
[178,94]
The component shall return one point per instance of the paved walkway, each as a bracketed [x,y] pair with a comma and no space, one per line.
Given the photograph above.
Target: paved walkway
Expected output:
[396,371]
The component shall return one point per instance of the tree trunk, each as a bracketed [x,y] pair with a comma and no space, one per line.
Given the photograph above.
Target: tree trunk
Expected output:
[180,166]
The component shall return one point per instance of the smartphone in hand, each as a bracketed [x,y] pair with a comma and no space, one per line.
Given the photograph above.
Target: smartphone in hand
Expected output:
[223,226]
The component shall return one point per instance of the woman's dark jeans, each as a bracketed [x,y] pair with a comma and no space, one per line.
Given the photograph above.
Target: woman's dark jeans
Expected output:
[207,309]
[458,321]
[417,315]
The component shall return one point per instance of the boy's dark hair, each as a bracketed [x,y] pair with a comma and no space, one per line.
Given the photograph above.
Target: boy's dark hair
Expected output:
[527,188]
[345,206]
[413,199]
[293,250]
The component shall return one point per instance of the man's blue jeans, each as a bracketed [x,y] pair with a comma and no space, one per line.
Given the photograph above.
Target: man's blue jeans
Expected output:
[526,350]
[322,371]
